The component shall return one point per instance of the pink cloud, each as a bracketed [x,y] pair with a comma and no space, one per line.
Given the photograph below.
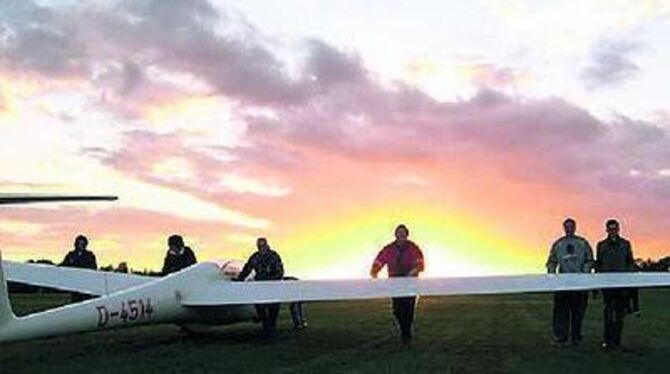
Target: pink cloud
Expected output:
[486,74]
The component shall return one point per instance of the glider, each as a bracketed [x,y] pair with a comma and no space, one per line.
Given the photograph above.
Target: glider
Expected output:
[204,294]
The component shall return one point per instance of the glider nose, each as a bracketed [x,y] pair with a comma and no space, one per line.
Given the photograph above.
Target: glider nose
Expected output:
[6,313]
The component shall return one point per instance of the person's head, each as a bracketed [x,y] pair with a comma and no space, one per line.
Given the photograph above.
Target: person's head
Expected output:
[80,242]
[570,226]
[401,232]
[612,228]
[175,242]
[262,244]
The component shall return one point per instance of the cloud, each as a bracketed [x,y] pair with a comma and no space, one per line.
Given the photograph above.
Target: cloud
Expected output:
[488,75]
[611,64]
[168,160]
[247,185]
[114,44]
[328,100]
[17,227]
[328,66]
[537,140]
[40,39]
[320,122]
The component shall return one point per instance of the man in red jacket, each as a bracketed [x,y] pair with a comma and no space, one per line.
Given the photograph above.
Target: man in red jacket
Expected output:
[402,258]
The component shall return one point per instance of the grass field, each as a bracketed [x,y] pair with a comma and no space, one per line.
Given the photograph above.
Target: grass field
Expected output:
[492,334]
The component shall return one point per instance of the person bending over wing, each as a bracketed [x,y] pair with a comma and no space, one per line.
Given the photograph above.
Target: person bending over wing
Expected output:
[267,266]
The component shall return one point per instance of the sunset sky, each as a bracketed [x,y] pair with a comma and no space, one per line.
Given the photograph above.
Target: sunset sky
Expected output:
[323,124]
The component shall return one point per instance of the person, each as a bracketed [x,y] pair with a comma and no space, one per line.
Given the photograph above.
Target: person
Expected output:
[80,257]
[402,258]
[297,313]
[122,268]
[178,256]
[267,266]
[569,254]
[614,254]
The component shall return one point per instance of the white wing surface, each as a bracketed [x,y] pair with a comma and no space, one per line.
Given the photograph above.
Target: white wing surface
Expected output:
[86,281]
[232,293]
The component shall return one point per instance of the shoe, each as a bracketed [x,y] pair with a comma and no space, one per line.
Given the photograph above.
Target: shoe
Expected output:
[299,326]
[559,343]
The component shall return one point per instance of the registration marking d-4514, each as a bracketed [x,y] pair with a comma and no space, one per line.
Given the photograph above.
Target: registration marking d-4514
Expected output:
[130,311]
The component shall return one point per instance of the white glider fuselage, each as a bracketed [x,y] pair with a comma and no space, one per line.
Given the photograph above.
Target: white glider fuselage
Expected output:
[158,301]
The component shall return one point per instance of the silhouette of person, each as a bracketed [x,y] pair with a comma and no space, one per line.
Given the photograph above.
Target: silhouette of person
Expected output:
[402,258]
[178,255]
[614,254]
[80,257]
[569,254]
[267,265]
[122,268]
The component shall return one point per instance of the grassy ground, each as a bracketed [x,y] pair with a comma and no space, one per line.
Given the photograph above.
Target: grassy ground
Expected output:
[499,334]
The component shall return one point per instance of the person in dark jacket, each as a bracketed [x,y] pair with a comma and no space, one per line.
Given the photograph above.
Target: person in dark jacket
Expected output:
[80,257]
[402,258]
[569,254]
[178,256]
[267,266]
[614,254]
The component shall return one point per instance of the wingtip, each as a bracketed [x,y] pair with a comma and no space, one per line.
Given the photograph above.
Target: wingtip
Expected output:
[14,199]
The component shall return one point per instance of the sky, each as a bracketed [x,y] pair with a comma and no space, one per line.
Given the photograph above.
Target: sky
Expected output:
[480,124]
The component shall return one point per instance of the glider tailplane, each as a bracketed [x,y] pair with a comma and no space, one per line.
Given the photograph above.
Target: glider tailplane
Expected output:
[6,313]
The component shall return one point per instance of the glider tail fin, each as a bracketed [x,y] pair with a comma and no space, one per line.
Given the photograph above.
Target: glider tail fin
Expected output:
[6,313]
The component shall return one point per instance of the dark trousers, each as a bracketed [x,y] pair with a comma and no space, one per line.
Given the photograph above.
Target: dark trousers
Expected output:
[403,310]
[569,310]
[633,305]
[268,313]
[615,306]
[297,315]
